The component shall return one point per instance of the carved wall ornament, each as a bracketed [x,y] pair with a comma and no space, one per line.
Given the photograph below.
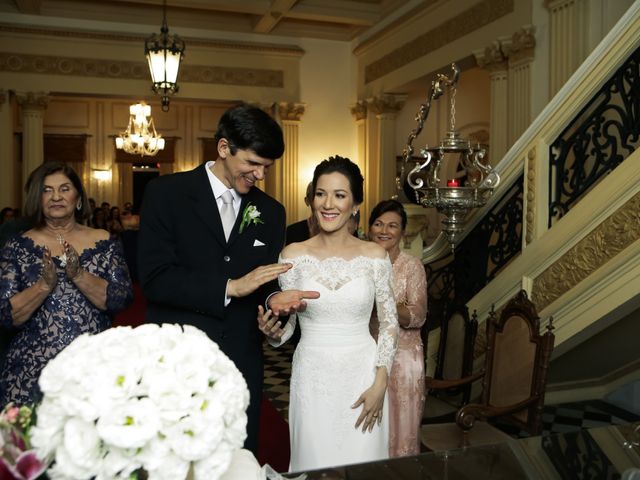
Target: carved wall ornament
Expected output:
[359,110]
[604,242]
[90,67]
[531,195]
[291,111]
[475,17]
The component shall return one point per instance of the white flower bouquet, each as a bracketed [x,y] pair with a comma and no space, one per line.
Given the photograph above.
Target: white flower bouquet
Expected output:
[156,399]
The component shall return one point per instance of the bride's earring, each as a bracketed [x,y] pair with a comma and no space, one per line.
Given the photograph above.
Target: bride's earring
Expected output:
[79,204]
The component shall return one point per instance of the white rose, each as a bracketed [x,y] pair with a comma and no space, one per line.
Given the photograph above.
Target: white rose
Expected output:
[152,454]
[130,425]
[119,463]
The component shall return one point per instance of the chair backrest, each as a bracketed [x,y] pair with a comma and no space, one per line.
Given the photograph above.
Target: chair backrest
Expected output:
[517,362]
[457,339]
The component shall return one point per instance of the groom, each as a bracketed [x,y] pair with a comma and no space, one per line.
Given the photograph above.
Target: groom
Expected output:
[209,244]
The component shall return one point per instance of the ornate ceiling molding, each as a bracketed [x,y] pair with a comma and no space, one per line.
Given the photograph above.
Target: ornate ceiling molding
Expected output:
[132,38]
[477,16]
[89,67]
[604,242]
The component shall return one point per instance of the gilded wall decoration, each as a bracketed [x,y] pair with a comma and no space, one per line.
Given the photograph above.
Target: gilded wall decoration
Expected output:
[531,195]
[291,111]
[479,15]
[608,239]
[89,67]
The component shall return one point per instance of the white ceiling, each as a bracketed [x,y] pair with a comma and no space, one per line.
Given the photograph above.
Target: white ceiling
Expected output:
[329,19]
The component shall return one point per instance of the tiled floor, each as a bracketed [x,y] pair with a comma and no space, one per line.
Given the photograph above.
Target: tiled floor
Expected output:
[562,418]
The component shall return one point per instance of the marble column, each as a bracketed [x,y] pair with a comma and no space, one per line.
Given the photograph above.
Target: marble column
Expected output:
[567,47]
[383,182]
[493,60]
[33,106]
[290,115]
[520,54]
[9,187]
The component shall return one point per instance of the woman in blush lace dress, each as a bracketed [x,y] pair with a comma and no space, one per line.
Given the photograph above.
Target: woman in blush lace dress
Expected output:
[58,280]
[406,383]
[337,409]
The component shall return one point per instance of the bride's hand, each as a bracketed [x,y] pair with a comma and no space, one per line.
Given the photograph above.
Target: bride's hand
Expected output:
[269,324]
[372,401]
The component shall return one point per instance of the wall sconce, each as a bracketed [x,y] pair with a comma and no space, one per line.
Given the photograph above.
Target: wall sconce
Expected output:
[101,175]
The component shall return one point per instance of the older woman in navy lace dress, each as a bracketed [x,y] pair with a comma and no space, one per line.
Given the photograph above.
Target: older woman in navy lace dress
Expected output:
[57,281]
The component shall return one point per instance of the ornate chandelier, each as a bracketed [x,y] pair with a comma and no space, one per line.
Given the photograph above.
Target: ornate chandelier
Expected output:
[140,137]
[471,179]
[164,53]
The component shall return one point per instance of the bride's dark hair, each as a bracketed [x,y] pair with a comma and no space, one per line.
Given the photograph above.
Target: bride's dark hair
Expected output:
[347,168]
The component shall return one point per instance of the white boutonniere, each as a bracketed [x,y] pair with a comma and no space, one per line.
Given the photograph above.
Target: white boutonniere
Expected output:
[250,215]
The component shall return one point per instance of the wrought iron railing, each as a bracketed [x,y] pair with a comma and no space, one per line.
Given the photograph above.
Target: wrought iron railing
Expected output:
[488,248]
[599,138]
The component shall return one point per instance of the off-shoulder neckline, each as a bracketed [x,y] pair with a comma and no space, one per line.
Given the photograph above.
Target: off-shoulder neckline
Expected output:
[333,258]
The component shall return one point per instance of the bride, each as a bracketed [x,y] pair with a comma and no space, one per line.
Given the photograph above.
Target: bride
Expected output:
[337,410]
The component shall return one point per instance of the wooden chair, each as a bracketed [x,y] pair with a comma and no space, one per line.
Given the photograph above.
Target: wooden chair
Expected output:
[513,381]
[455,360]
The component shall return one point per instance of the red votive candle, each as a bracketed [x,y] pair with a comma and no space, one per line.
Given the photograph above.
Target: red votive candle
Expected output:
[453,183]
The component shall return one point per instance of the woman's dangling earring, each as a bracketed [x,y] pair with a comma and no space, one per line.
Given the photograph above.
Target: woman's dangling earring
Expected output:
[79,205]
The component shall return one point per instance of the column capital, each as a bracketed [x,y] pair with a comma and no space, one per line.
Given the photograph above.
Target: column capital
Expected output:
[522,46]
[492,58]
[359,110]
[387,103]
[555,4]
[33,100]
[291,111]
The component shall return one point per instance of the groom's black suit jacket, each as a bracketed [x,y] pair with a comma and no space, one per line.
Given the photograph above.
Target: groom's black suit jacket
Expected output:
[184,263]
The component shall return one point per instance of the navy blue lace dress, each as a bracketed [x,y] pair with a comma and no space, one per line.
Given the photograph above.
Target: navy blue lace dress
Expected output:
[64,315]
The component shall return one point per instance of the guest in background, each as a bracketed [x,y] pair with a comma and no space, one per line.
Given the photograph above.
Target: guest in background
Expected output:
[130,221]
[59,279]
[115,222]
[304,229]
[99,219]
[406,382]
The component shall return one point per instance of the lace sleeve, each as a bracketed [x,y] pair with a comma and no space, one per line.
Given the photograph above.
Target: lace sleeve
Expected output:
[416,295]
[287,281]
[119,288]
[8,283]
[387,314]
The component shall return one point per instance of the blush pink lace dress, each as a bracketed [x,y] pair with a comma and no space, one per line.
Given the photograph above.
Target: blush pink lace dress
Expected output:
[406,383]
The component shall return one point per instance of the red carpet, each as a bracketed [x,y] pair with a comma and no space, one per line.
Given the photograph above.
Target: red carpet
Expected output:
[273,442]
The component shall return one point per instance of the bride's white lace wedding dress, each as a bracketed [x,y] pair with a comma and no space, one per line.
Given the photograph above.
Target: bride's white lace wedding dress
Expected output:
[336,358]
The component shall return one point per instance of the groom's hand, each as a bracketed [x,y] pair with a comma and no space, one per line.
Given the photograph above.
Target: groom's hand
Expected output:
[291,301]
[243,286]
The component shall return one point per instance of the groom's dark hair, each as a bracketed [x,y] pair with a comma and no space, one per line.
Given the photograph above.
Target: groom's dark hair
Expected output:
[248,127]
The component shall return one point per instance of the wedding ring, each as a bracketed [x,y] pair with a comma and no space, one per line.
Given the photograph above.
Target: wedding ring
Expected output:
[375,415]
